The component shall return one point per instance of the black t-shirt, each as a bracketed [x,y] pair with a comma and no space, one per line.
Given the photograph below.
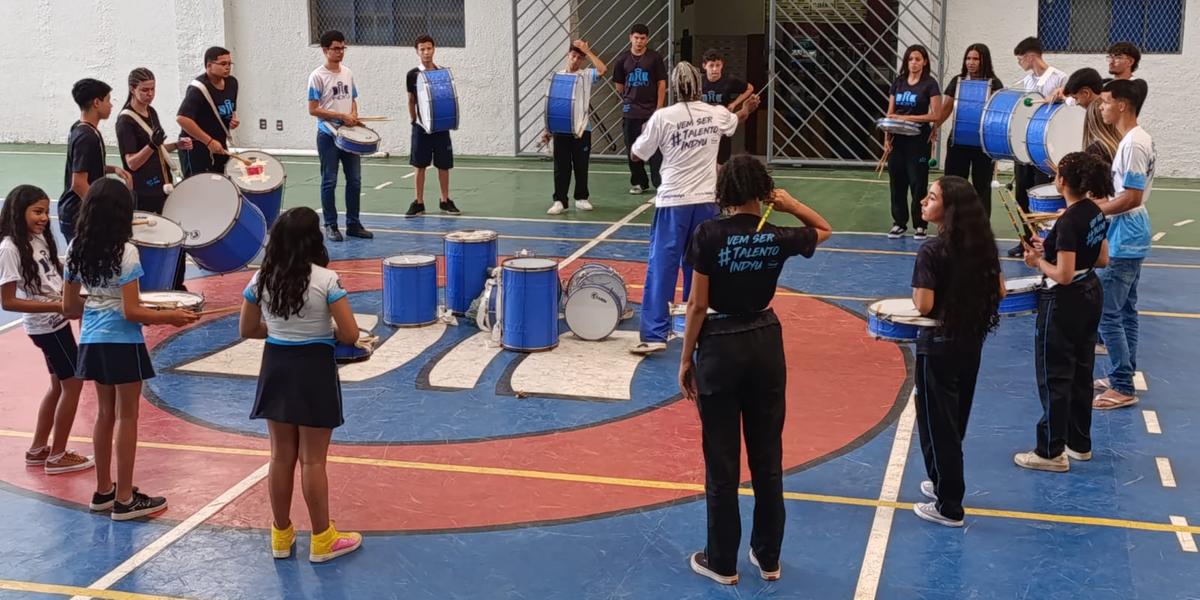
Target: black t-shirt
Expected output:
[640,76]
[85,154]
[1080,229]
[196,108]
[723,91]
[914,99]
[930,273]
[743,266]
[131,138]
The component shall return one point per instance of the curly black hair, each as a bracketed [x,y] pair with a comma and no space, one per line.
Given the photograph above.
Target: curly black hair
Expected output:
[105,225]
[294,247]
[1086,175]
[14,225]
[743,179]
[969,248]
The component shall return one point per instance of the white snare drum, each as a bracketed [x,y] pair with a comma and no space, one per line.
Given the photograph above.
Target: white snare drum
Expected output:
[172,300]
[896,320]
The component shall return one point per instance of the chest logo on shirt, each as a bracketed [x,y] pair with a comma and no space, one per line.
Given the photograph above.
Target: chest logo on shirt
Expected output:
[341,91]
[1097,229]
[638,77]
[714,97]
[908,99]
[44,261]
[226,109]
[746,252]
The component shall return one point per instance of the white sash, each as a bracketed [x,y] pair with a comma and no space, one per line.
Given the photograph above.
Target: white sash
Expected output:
[204,91]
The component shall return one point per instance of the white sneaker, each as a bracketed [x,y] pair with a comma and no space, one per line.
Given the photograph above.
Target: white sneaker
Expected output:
[896,232]
[766,575]
[583,205]
[1080,456]
[556,208]
[636,190]
[929,512]
[648,347]
[928,490]
[1030,460]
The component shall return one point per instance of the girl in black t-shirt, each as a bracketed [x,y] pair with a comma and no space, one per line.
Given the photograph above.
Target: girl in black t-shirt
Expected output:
[915,97]
[1068,314]
[970,162]
[956,280]
[738,375]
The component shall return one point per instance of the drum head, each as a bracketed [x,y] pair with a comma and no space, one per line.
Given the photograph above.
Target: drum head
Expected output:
[583,99]
[1018,124]
[158,232]
[205,206]
[530,263]
[1020,285]
[409,260]
[471,236]
[438,85]
[359,134]
[592,312]
[898,126]
[1064,134]
[264,174]
[186,300]
[1046,190]
[900,310]
[606,279]
[586,270]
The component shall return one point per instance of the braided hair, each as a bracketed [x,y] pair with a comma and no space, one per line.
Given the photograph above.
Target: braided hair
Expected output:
[137,77]
[687,83]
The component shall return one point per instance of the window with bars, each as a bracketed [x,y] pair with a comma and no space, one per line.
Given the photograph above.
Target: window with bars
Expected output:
[389,22]
[1091,26]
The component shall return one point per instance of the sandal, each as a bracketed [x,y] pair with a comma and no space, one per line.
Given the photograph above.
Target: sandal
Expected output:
[1112,399]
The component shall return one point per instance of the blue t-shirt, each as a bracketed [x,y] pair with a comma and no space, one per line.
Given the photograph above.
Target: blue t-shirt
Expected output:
[1132,169]
[104,320]
[332,91]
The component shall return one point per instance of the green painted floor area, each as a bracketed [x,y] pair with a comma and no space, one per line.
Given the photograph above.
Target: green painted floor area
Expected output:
[852,200]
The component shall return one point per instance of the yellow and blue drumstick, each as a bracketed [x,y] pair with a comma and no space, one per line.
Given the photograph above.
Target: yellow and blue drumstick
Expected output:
[763,220]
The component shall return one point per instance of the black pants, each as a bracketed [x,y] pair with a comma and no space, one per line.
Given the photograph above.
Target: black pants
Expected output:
[908,170]
[199,160]
[1064,354]
[741,377]
[972,163]
[571,155]
[1024,178]
[946,376]
[632,128]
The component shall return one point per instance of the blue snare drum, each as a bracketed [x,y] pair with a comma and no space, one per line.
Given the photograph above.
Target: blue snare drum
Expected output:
[1046,199]
[896,320]
[1021,296]
[437,102]
[159,242]
[261,181]
[352,353]
[529,304]
[1055,131]
[223,231]
[357,139]
[410,290]
[1047,226]
[470,257]
[969,102]
[1005,119]
[567,104]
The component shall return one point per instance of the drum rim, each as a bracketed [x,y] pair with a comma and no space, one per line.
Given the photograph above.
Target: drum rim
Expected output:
[432,259]
[578,128]
[165,245]
[583,269]
[1048,144]
[1033,189]
[338,135]
[492,235]
[1011,156]
[1036,283]
[616,305]
[505,266]
[622,298]
[237,215]
[282,180]
[873,312]
[423,78]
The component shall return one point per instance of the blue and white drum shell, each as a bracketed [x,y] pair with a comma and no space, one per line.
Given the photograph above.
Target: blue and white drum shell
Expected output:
[357,139]
[410,290]
[159,241]
[437,101]
[970,99]
[896,320]
[260,182]
[171,300]
[223,231]
[1055,131]
[592,312]
[352,353]
[567,104]
[470,257]
[1046,199]
[529,304]
[604,276]
[1005,121]
[1047,226]
[1021,296]
[898,126]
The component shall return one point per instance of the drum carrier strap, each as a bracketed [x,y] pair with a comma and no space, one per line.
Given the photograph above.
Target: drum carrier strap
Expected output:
[204,91]
[163,160]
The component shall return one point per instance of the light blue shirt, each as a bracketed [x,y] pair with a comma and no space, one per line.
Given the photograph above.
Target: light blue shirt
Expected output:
[104,319]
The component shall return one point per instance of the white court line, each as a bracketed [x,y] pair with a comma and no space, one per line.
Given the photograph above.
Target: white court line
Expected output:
[383,185]
[881,527]
[1151,419]
[199,517]
[10,324]
[1158,236]
[409,175]
[1185,222]
[1139,382]
[1187,543]
[1164,471]
[604,234]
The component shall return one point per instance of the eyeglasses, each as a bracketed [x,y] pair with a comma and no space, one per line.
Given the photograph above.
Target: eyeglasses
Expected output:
[337,48]
[1116,57]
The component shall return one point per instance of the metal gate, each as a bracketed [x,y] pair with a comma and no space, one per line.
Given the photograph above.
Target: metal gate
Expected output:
[542,32]
[833,61]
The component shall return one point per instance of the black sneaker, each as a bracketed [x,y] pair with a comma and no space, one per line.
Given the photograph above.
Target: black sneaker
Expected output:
[415,209]
[896,231]
[449,208]
[140,506]
[331,232]
[1016,251]
[699,562]
[102,502]
[358,231]
[919,234]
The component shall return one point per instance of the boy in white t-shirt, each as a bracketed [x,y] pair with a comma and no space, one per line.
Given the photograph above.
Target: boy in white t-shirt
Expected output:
[1046,80]
[688,133]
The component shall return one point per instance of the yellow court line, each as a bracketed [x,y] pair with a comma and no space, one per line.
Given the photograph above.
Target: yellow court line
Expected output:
[70,590]
[657,485]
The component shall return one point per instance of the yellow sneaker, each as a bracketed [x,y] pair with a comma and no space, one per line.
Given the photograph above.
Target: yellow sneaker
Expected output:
[282,541]
[331,544]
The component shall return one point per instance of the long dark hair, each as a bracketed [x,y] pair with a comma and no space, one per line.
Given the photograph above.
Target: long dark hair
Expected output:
[969,249]
[904,60]
[294,247]
[14,225]
[1086,175]
[986,72]
[743,179]
[105,224]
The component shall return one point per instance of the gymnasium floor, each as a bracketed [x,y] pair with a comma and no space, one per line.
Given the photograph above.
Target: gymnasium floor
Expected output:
[478,473]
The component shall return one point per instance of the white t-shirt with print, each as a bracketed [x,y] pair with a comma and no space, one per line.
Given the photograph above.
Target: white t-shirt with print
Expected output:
[1050,80]
[332,91]
[1132,168]
[688,134]
[51,283]
[315,322]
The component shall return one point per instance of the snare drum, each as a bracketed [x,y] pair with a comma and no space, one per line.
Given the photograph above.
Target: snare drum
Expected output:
[437,102]
[172,300]
[592,312]
[159,242]
[896,320]
[410,290]
[898,127]
[470,257]
[529,304]
[260,182]
[970,99]
[567,104]
[224,231]
[357,139]
[604,276]
[1021,296]
[1005,120]
[352,353]
[1046,199]
[1055,131]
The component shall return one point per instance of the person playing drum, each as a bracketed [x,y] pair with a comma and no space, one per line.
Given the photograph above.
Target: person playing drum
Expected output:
[208,114]
[572,154]
[965,161]
[914,97]
[428,148]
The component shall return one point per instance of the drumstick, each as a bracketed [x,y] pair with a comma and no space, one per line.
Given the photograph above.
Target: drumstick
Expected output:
[766,85]
[217,311]
[1012,219]
[763,220]
[882,161]
[1031,102]
[244,161]
[374,118]
[146,222]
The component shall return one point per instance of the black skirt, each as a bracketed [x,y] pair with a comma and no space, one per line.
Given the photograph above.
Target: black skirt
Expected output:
[299,385]
[114,364]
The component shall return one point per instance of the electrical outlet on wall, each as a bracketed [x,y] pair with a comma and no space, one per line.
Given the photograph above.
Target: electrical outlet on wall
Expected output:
[278,124]
[262,123]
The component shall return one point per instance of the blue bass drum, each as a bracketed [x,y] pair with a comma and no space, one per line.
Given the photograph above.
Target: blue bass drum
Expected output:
[1055,131]
[969,101]
[410,290]
[470,258]
[223,231]
[567,104]
[1005,120]
[437,102]
[529,304]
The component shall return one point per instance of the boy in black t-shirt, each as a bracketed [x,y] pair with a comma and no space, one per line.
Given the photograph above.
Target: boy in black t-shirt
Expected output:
[641,79]
[85,151]
[725,90]
[210,125]
[428,148]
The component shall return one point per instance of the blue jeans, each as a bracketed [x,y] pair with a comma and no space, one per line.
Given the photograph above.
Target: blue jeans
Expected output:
[1119,322]
[330,154]
[670,236]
